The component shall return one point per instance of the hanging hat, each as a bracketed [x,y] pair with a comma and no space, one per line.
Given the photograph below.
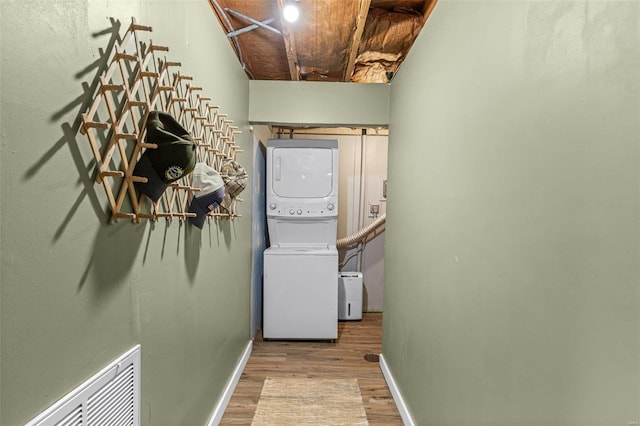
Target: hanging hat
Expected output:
[211,193]
[174,158]
[235,180]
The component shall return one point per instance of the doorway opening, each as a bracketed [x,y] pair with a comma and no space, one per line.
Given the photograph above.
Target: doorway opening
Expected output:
[361,200]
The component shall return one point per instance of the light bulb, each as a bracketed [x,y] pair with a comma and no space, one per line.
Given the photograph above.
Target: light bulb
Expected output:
[291,12]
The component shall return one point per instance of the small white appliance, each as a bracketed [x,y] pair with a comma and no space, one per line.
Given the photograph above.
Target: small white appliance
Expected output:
[350,296]
[301,265]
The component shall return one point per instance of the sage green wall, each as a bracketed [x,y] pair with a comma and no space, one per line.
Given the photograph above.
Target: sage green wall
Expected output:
[321,103]
[512,261]
[78,291]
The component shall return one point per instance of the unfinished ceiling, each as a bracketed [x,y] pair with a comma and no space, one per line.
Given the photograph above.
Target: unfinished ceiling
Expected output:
[362,41]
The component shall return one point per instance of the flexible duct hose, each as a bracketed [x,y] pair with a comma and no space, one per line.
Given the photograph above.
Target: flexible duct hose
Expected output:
[361,234]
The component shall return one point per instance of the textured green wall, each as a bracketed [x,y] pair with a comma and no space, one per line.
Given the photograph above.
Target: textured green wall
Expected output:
[76,290]
[512,283]
[320,103]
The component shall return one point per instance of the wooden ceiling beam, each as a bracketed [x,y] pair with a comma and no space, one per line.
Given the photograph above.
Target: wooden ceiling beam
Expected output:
[427,9]
[289,44]
[361,20]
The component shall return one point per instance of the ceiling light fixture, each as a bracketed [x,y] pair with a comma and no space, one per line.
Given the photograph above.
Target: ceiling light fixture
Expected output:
[290,12]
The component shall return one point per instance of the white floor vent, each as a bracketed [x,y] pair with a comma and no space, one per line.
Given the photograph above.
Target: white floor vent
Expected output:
[110,398]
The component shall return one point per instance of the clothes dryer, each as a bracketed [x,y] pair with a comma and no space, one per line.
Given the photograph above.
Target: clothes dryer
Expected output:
[302,192]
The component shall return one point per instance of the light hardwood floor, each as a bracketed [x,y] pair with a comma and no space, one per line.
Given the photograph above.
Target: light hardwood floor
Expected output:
[343,359]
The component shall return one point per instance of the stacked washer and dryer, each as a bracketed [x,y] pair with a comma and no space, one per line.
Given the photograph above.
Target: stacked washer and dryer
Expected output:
[301,264]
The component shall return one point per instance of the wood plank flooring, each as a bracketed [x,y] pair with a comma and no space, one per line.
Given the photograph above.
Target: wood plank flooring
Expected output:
[342,359]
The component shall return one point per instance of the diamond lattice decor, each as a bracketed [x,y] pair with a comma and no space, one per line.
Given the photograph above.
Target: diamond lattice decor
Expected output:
[139,79]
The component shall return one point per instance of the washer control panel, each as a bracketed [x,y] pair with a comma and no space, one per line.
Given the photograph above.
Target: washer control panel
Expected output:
[302,209]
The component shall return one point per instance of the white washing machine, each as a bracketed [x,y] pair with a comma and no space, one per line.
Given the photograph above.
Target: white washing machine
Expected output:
[300,293]
[301,265]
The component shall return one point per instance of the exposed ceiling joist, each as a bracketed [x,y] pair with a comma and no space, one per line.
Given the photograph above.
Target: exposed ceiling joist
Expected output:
[361,20]
[427,9]
[289,45]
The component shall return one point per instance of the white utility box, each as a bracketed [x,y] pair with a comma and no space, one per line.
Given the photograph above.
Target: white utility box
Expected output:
[350,296]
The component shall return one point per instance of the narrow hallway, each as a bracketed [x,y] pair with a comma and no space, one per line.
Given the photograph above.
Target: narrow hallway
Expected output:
[344,359]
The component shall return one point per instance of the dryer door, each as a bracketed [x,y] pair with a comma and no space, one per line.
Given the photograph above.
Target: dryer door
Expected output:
[302,172]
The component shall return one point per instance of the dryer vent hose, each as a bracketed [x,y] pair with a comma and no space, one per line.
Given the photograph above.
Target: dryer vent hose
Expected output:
[354,239]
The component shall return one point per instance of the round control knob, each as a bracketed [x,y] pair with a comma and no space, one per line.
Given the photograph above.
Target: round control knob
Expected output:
[292,211]
[272,206]
[299,211]
[330,206]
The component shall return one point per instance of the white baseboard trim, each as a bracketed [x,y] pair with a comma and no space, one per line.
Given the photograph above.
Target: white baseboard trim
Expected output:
[231,386]
[395,392]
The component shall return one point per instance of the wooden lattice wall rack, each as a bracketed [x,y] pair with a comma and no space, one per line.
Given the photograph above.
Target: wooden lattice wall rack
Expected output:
[138,80]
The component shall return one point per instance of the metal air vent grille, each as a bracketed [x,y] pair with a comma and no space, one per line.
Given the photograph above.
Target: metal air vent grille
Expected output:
[113,404]
[110,398]
[74,418]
